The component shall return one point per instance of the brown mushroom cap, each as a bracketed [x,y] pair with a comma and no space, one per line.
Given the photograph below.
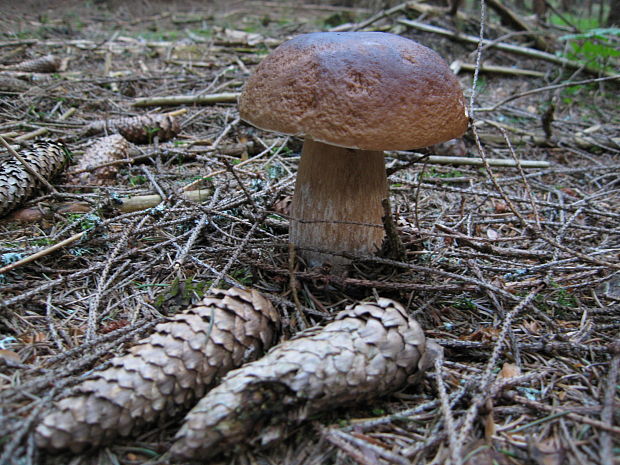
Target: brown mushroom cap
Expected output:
[364,90]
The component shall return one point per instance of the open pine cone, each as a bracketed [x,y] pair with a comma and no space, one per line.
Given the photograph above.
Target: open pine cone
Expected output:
[102,151]
[16,183]
[165,372]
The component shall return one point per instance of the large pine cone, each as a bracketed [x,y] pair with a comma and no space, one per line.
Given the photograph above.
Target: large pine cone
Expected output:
[368,351]
[17,184]
[165,372]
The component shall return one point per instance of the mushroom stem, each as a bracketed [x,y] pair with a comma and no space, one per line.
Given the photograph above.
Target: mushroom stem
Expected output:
[337,203]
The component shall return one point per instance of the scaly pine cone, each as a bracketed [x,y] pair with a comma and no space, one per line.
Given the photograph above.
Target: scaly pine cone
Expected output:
[165,372]
[11,84]
[139,129]
[17,184]
[368,351]
[104,150]
[45,64]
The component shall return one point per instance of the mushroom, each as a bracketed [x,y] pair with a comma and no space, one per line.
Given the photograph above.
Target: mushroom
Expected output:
[350,95]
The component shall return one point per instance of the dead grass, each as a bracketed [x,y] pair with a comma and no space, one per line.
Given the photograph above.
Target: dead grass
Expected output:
[516,273]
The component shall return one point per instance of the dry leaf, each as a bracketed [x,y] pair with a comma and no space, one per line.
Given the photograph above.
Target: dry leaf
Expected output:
[501,207]
[10,355]
[548,451]
[570,192]
[33,338]
[492,234]
[482,335]
[283,205]
[113,326]
[509,370]
[532,327]
[489,422]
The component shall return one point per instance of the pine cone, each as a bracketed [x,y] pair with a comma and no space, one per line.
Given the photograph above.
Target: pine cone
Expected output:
[104,150]
[368,351]
[165,372]
[17,184]
[45,64]
[11,84]
[139,129]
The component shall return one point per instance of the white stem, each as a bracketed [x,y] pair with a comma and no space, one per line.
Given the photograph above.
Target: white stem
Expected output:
[337,203]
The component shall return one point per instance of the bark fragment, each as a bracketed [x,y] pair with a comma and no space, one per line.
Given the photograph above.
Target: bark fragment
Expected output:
[165,372]
[368,351]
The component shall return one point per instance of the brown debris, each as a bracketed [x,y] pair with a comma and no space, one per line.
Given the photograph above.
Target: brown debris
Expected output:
[16,183]
[165,372]
[139,129]
[369,350]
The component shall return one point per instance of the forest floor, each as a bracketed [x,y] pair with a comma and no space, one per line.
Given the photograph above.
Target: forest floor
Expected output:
[515,271]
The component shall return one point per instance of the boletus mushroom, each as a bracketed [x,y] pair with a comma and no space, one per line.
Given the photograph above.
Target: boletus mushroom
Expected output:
[350,95]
